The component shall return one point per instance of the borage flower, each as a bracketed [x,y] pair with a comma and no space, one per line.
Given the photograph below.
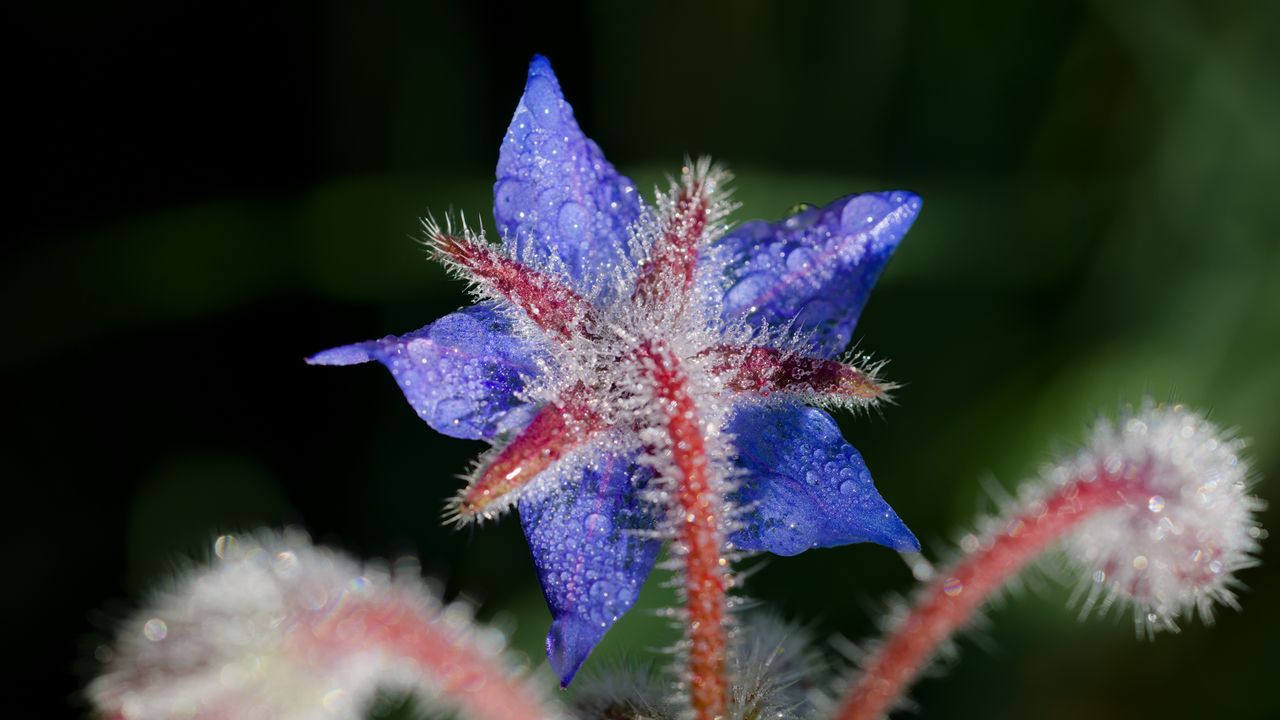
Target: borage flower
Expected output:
[644,376]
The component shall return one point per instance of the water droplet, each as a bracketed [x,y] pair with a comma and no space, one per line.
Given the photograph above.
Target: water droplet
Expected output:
[543,101]
[1155,504]
[597,522]
[848,487]
[155,630]
[510,197]
[452,409]
[952,587]
[224,545]
[744,292]
[335,699]
[573,221]
[801,259]
[1215,567]
[799,208]
[1140,562]
[286,563]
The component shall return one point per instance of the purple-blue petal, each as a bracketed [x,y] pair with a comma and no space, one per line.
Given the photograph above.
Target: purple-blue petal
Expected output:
[556,195]
[816,268]
[462,373]
[587,553]
[806,487]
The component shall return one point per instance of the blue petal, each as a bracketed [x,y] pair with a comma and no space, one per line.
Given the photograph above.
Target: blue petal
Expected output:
[816,267]
[589,560]
[462,373]
[806,486]
[556,195]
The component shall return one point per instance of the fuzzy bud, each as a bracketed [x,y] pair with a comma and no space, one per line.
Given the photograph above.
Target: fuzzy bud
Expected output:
[278,629]
[1184,522]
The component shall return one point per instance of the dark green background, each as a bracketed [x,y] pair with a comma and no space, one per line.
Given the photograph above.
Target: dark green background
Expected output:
[208,192]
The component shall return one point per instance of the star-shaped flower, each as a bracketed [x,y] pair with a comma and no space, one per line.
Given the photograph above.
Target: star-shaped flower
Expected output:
[621,351]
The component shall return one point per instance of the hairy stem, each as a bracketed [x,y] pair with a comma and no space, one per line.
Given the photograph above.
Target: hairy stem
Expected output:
[699,535]
[958,591]
[445,657]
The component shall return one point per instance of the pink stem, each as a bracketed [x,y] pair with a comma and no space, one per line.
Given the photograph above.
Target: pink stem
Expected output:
[948,603]
[474,682]
[698,533]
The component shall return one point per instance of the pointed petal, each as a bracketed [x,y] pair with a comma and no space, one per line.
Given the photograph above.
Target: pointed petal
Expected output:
[462,373]
[817,266]
[808,487]
[556,195]
[589,560]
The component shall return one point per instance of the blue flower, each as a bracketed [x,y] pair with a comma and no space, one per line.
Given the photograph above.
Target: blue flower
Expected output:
[544,366]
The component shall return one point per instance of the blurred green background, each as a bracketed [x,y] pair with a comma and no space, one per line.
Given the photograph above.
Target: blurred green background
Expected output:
[209,192]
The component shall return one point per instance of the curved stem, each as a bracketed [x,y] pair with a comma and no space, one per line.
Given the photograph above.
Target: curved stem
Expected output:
[443,654]
[951,599]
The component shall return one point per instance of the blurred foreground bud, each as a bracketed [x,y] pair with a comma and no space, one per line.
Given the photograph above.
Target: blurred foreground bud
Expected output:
[278,629]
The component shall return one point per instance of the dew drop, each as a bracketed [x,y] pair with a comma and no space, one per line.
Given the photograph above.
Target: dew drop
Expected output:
[335,699]
[848,487]
[1155,504]
[543,101]
[452,409]
[224,545]
[155,630]
[801,259]
[286,563]
[745,291]
[952,587]
[596,522]
[510,197]
[799,208]
[573,221]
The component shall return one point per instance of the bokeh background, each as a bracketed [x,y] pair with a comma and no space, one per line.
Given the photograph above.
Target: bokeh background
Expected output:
[207,192]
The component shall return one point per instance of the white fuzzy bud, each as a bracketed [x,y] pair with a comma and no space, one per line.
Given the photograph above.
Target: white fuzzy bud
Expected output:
[1185,523]
[277,629]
